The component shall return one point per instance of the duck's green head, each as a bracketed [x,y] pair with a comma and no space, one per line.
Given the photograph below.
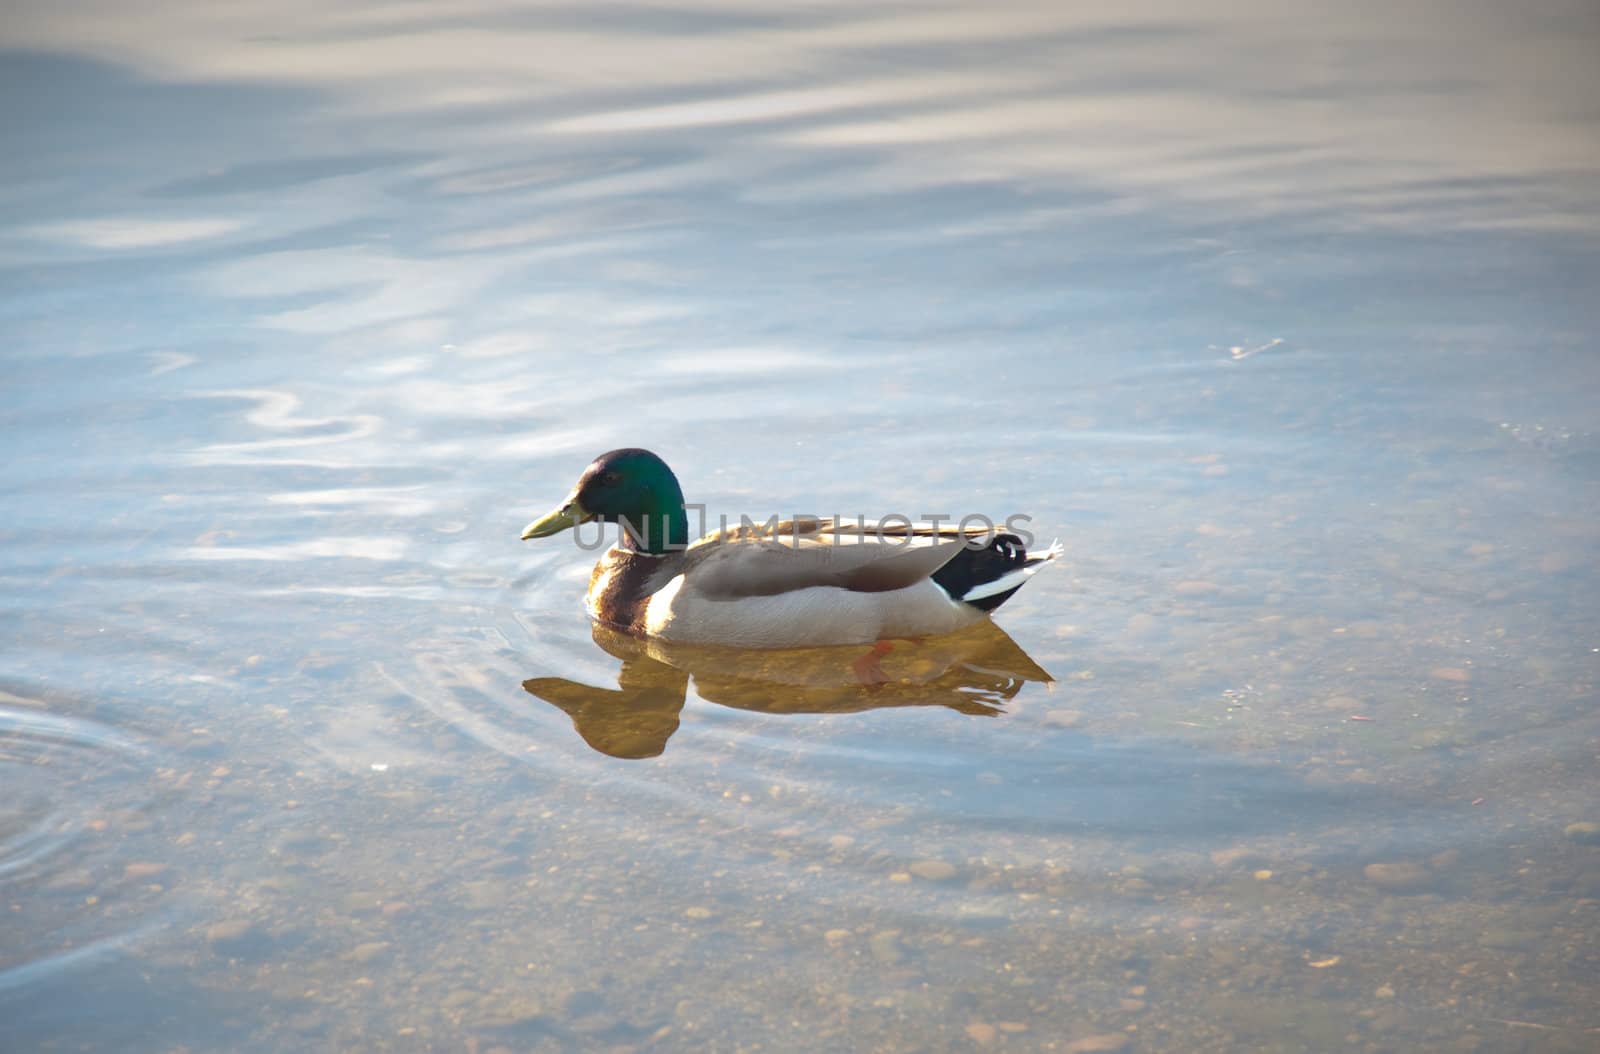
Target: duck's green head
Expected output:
[632,487]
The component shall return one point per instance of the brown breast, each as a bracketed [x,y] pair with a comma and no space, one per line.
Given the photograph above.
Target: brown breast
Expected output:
[622,584]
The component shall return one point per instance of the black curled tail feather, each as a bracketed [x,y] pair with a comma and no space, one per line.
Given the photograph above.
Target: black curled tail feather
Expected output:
[970,570]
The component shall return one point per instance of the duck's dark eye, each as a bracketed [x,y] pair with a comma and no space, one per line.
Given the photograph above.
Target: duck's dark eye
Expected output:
[610,479]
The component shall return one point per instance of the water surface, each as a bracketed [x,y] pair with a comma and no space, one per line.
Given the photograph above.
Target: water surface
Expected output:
[1280,318]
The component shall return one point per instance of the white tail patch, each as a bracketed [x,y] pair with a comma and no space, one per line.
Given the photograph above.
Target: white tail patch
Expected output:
[1012,579]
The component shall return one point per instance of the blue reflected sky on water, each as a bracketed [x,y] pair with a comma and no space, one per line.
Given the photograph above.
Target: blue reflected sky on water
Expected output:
[1281,317]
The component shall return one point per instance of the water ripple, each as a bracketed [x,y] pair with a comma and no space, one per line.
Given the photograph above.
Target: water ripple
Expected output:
[71,784]
[60,752]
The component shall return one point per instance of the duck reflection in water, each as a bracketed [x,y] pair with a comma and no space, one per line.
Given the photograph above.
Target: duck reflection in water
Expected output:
[973,672]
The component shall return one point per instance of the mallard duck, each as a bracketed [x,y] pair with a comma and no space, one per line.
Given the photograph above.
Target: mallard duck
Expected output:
[805,582]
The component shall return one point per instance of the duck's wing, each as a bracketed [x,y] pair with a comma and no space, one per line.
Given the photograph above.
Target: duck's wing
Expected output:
[733,570]
[830,530]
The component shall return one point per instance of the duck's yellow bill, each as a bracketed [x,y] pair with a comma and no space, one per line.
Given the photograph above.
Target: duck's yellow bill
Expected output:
[569,515]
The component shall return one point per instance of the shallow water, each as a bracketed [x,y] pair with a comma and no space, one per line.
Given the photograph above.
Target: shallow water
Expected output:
[1281,320]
